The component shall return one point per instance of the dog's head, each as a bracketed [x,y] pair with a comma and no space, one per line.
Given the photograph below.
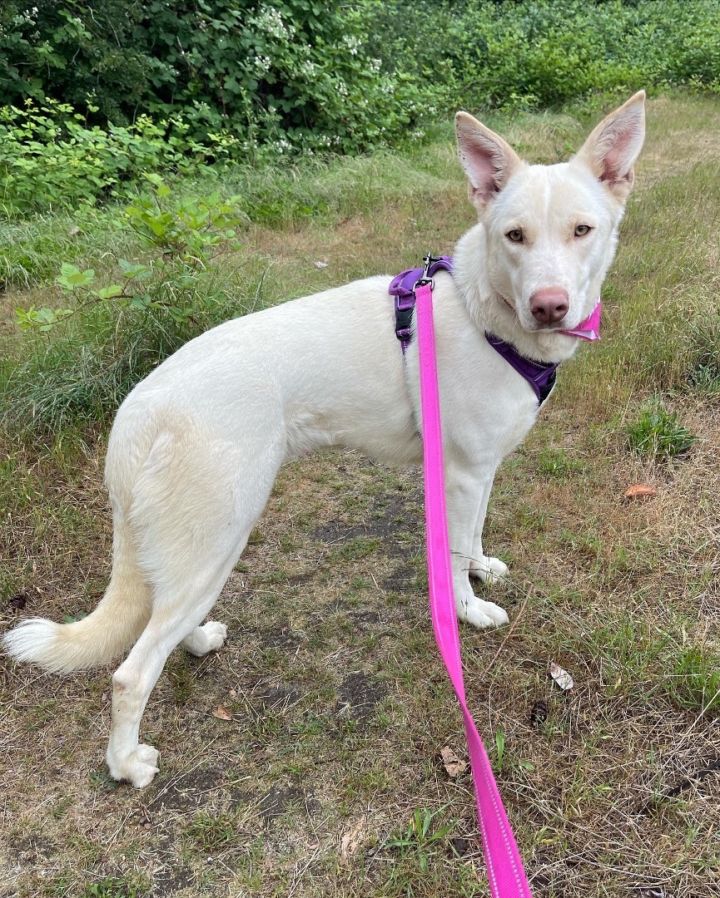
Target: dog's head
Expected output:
[550,231]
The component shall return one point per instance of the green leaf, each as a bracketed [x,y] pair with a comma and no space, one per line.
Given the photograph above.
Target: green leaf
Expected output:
[141,303]
[71,277]
[133,270]
[109,292]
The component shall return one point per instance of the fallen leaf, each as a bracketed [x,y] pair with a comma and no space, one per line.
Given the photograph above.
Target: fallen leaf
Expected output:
[321,263]
[222,713]
[453,765]
[353,838]
[561,677]
[640,491]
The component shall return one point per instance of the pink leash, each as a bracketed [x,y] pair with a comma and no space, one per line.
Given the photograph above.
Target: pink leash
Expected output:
[504,865]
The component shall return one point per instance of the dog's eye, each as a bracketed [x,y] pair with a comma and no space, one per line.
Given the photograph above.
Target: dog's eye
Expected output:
[515,236]
[581,230]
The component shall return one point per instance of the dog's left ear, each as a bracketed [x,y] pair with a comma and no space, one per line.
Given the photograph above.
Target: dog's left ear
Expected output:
[613,147]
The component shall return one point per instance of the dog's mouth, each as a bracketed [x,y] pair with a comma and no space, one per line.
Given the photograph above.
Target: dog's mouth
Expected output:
[534,328]
[588,329]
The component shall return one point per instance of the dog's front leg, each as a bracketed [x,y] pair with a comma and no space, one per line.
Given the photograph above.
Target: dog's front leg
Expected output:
[486,568]
[463,487]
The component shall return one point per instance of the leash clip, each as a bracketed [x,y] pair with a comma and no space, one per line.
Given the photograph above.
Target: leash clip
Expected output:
[425,278]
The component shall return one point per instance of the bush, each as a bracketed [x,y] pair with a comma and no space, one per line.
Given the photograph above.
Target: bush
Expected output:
[304,74]
[80,359]
[51,158]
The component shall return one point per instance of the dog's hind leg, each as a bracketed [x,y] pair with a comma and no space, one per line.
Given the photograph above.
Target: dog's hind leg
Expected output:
[171,622]
[194,506]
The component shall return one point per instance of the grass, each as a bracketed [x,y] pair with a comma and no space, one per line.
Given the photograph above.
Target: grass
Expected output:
[327,780]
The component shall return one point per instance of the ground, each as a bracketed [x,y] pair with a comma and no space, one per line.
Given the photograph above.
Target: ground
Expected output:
[303,759]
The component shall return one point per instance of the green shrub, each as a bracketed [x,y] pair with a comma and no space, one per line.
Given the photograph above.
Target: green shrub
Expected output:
[295,74]
[50,157]
[80,358]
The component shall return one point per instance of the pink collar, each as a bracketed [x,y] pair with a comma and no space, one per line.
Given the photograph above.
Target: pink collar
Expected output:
[589,329]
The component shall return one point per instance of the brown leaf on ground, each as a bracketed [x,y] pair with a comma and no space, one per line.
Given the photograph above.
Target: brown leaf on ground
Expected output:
[640,491]
[222,713]
[453,765]
[353,838]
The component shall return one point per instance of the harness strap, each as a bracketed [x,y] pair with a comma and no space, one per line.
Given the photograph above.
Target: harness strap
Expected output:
[540,375]
[504,865]
[402,287]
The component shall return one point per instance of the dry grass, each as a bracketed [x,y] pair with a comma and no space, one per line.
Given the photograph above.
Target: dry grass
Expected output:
[339,704]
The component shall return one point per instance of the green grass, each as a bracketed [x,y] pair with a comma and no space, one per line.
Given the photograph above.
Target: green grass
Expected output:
[695,680]
[210,832]
[339,705]
[115,887]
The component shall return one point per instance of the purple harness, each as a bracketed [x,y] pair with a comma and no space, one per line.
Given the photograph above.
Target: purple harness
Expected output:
[539,375]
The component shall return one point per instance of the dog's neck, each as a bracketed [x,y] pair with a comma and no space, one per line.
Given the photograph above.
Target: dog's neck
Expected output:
[491,313]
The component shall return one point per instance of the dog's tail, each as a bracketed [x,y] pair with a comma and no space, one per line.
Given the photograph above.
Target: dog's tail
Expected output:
[98,638]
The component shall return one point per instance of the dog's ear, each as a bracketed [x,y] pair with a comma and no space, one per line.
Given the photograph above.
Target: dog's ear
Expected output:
[487,159]
[613,147]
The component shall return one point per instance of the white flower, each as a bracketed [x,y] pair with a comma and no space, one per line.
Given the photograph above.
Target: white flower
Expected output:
[270,20]
[262,64]
[353,44]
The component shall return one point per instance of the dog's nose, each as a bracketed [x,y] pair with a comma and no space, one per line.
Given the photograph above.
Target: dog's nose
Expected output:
[549,305]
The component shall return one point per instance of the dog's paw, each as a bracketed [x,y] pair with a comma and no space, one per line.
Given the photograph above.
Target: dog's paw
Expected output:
[207,638]
[216,634]
[479,613]
[138,767]
[488,569]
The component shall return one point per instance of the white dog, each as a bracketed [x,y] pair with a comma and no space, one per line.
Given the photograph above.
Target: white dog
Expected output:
[196,446]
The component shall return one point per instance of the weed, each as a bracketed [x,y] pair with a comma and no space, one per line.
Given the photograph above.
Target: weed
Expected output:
[189,227]
[555,462]
[695,681]
[422,838]
[658,434]
[499,750]
[628,653]
[354,549]
[115,887]
[210,832]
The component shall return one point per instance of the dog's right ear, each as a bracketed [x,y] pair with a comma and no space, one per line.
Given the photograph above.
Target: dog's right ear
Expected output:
[487,159]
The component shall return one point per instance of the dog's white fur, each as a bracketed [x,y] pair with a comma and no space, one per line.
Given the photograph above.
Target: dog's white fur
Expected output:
[196,446]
